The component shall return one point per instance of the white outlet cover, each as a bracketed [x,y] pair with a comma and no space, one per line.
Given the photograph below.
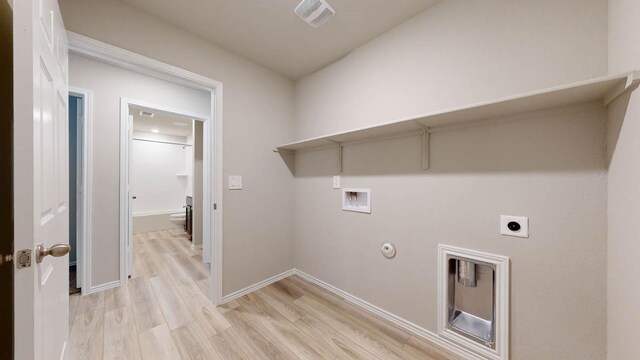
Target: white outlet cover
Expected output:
[522,220]
[336,182]
[235,182]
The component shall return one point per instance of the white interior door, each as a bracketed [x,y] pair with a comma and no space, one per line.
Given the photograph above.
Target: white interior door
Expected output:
[41,180]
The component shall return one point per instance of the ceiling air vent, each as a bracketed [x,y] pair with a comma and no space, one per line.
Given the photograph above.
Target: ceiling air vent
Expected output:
[314,12]
[147,113]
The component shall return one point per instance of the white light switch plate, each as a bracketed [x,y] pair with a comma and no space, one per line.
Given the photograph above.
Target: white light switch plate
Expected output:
[522,221]
[235,182]
[336,182]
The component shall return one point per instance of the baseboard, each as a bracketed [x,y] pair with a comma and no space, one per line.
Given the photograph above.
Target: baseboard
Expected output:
[105,286]
[394,319]
[63,353]
[158,212]
[196,247]
[398,321]
[257,286]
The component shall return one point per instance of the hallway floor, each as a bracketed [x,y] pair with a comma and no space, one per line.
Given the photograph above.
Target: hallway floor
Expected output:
[163,313]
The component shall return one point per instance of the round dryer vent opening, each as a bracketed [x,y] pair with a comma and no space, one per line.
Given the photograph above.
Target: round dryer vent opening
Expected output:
[314,12]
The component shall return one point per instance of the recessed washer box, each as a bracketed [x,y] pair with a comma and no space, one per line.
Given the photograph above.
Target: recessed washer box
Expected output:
[358,200]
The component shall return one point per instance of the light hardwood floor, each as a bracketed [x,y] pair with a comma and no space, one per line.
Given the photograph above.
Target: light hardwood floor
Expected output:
[163,313]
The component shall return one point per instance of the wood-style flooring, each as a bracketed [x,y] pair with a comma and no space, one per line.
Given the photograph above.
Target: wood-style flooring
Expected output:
[163,313]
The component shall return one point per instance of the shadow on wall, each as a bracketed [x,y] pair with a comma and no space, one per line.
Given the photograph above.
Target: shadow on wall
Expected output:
[289,159]
[556,140]
[617,114]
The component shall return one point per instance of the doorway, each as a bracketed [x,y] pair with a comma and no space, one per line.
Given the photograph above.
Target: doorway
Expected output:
[76,115]
[80,152]
[165,189]
[166,175]
[212,158]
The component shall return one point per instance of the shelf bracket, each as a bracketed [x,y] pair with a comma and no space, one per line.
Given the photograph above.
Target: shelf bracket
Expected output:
[424,148]
[632,83]
[340,151]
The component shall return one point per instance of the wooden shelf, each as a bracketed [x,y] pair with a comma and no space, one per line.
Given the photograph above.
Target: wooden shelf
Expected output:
[605,89]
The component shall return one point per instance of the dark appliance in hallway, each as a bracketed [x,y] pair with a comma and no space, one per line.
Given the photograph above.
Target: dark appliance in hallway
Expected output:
[188,224]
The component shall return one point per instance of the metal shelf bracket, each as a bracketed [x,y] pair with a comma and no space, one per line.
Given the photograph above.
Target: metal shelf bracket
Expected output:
[340,151]
[425,134]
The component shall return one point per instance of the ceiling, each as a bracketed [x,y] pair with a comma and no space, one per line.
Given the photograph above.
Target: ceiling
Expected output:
[163,122]
[268,32]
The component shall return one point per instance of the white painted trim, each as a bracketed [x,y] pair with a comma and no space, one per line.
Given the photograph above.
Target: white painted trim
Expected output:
[215,250]
[124,192]
[88,47]
[158,212]
[501,263]
[257,286]
[394,319]
[83,236]
[196,247]
[64,353]
[103,287]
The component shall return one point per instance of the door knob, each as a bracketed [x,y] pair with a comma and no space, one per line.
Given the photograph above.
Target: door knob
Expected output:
[57,250]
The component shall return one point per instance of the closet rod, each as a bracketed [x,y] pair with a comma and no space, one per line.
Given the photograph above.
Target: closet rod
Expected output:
[161,142]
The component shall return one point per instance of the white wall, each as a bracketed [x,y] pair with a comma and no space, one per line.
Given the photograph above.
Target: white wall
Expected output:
[456,53]
[154,167]
[258,113]
[183,166]
[108,84]
[623,321]
[158,136]
[190,160]
[549,166]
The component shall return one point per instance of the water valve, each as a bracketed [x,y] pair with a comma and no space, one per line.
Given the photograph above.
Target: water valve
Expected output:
[388,250]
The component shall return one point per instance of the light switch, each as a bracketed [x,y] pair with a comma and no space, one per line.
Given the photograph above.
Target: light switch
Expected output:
[235,182]
[336,182]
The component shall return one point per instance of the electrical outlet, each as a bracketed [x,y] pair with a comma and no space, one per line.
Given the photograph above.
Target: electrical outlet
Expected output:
[514,226]
[336,182]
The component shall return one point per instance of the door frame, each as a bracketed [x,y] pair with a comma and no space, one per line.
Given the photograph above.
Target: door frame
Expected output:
[125,152]
[113,55]
[84,199]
